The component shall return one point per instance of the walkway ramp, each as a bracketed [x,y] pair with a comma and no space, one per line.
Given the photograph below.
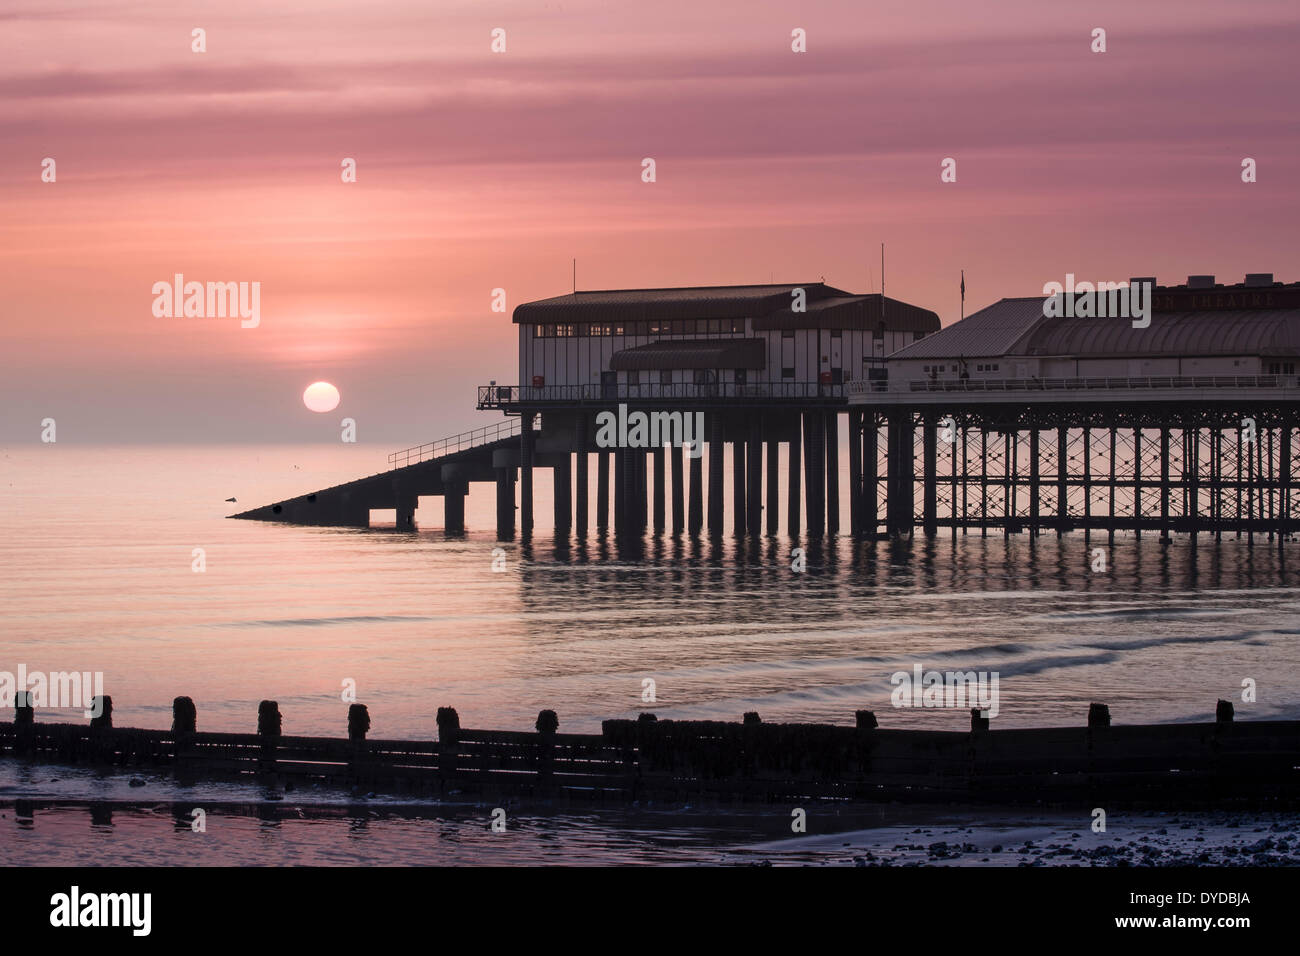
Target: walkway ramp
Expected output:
[444,467]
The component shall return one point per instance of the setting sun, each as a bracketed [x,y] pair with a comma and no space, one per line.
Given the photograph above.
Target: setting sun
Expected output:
[321,397]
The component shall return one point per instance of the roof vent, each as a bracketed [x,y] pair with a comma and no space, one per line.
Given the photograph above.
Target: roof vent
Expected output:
[1200,282]
[1256,280]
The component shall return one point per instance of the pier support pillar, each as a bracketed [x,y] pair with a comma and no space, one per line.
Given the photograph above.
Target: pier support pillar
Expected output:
[715,474]
[831,441]
[1062,469]
[642,460]
[1137,480]
[754,477]
[660,493]
[869,519]
[1033,482]
[580,491]
[695,518]
[930,472]
[814,473]
[1284,484]
[792,485]
[562,492]
[738,486]
[1192,478]
[406,513]
[505,504]
[620,491]
[679,492]
[602,490]
[526,475]
[453,507]
[901,477]
[773,489]
[1012,444]
[855,473]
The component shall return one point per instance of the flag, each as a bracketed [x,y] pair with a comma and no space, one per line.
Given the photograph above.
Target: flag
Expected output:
[963,285]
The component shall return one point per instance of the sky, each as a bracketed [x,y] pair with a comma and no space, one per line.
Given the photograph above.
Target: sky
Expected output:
[478,170]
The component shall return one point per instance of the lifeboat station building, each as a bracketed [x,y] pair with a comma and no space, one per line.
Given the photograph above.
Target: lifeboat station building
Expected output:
[1020,420]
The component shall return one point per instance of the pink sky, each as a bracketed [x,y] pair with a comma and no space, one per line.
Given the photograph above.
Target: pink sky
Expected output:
[478,170]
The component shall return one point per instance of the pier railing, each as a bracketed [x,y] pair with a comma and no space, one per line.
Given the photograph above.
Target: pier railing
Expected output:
[448,446]
[1077,384]
[505,396]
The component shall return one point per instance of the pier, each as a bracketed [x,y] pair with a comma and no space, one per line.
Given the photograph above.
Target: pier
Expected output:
[1008,421]
[1220,764]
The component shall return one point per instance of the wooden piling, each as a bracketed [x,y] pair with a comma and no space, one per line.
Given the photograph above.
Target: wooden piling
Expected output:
[773,491]
[678,455]
[831,442]
[754,476]
[738,487]
[660,492]
[580,476]
[602,491]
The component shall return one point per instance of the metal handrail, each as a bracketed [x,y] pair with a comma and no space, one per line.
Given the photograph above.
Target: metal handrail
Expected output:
[498,396]
[447,446]
[1057,384]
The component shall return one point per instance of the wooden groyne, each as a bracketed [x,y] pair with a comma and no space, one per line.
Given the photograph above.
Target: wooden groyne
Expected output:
[1224,763]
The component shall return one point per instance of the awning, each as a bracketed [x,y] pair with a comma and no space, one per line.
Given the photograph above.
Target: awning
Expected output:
[705,353]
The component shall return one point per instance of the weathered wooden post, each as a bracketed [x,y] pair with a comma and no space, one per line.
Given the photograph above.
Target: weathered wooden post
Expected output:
[978,722]
[101,727]
[185,716]
[103,710]
[268,728]
[546,725]
[1223,712]
[866,720]
[24,723]
[184,723]
[448,736]
[1098,716]
[358,725]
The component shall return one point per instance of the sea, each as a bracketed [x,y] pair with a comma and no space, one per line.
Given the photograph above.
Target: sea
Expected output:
[122,560]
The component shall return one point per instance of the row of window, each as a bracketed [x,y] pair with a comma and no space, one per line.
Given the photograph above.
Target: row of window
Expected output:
[984,367]
[1280,368]
[566,330]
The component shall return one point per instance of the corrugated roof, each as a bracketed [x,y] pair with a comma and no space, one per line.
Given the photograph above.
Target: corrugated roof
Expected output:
[690,353]
[992,331]
[1018,327]
[1221,332]
[695,302]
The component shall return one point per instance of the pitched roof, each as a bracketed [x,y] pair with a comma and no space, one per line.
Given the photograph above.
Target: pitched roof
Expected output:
[1018,327]
[692,302]
[992,331]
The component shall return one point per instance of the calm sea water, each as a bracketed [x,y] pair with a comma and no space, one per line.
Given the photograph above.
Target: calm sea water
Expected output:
[96,574]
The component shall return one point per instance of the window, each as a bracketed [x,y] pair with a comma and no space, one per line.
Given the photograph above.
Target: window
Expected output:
[787,333]
[879,334]
[740,376]
[634,377]
[665,376]
[787,372]
[837,333]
